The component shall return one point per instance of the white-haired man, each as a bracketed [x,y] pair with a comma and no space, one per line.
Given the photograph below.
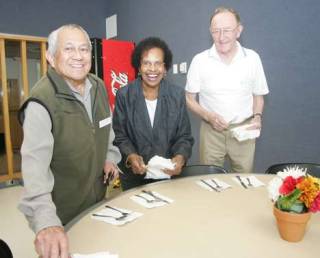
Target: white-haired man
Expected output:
[67,150]
[230,82]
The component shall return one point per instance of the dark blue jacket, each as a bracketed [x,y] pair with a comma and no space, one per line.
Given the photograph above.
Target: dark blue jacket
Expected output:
[171,131]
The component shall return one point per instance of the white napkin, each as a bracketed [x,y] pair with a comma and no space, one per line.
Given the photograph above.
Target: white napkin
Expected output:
[220,186]
[116,214]
[95,255]
[141,198]
[155,168]
[255,182]
[242,134]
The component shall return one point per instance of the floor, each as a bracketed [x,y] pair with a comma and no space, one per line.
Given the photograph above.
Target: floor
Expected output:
[16,162]
[14,227]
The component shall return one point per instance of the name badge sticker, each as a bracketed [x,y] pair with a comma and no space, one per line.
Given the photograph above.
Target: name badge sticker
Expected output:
[105,122]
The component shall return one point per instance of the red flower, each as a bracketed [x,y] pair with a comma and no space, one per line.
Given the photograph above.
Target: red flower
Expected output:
[315,206]
[289,184]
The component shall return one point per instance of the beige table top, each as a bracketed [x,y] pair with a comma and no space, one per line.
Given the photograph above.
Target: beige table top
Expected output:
[237,222]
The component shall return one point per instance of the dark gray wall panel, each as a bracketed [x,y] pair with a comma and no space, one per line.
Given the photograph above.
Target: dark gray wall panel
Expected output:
[284,33]
[40,17]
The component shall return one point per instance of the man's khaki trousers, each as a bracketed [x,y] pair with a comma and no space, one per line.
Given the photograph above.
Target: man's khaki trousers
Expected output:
[216,146]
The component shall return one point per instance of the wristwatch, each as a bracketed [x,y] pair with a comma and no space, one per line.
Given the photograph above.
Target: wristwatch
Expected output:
[257,114]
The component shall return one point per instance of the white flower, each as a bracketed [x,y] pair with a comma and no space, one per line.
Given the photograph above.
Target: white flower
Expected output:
[273,188]
[275,184]
[293,171]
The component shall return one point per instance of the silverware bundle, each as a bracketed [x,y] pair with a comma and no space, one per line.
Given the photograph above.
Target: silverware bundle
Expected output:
[155,198]
[123,215]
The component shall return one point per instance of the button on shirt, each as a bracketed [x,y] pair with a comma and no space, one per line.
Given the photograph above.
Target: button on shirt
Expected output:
[227,89]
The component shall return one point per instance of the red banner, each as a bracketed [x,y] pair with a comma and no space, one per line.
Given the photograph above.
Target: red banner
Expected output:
[117,69]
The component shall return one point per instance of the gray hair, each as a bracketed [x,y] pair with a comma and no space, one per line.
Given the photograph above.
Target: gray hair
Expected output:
[53,37]
[223,9]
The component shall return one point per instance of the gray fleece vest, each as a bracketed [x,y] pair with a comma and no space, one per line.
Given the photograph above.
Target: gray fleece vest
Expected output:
[80,146]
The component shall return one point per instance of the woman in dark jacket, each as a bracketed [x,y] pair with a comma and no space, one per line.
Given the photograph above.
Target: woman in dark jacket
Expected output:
[150,116]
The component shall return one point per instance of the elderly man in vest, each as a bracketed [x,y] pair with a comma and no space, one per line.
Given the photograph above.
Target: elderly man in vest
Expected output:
[67,149]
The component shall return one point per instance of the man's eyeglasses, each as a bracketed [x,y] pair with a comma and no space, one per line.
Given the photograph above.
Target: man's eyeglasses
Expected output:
[149,64]
[226,31]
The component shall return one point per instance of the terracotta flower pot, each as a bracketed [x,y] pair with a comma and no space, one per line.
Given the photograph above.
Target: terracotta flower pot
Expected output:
[291,226]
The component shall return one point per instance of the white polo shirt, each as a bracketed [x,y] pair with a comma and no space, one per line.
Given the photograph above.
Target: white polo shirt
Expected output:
[227,89]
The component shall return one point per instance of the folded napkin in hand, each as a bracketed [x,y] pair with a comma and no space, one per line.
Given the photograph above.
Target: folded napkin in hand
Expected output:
[114,217]
[249,181]
[95,255]
[209,184]
[150,200]
[241,133]
[155,168]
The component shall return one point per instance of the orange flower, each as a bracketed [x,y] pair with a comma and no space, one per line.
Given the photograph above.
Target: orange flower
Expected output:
[310,188]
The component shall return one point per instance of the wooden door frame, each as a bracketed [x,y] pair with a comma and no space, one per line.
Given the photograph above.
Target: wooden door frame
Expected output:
[23,40]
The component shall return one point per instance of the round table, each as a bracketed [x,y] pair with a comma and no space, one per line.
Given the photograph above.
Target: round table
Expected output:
[237,222]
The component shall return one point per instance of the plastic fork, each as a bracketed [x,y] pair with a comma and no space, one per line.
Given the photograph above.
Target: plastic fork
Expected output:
[215,182]
[115,209]
[154,196]
[210,186]
[146,199]
[108,216]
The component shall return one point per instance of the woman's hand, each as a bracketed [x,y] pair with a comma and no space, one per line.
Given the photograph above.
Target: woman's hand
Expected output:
[135,161]
[179,161]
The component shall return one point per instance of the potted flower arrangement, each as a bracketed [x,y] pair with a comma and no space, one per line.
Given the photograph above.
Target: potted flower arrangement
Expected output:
[295,195]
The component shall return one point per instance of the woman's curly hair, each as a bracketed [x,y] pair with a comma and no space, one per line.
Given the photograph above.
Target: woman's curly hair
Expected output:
[147,44]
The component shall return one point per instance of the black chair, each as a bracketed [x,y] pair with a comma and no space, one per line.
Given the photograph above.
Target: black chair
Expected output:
[5,251]
[195,170]
[312,168]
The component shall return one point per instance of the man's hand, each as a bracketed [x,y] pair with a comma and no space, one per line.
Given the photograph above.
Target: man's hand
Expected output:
[217,122]
[255,123]
[135,161]
[52,242]
[110,171]
[179,161]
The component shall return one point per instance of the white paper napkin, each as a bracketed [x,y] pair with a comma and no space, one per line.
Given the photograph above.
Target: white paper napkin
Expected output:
[155,168]
[220,185]
[116,218]
[149,201]
[254,182]
[95,255]
[241,133]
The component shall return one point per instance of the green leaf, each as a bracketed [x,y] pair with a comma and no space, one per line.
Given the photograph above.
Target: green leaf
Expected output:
[298,207]
[290,202]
